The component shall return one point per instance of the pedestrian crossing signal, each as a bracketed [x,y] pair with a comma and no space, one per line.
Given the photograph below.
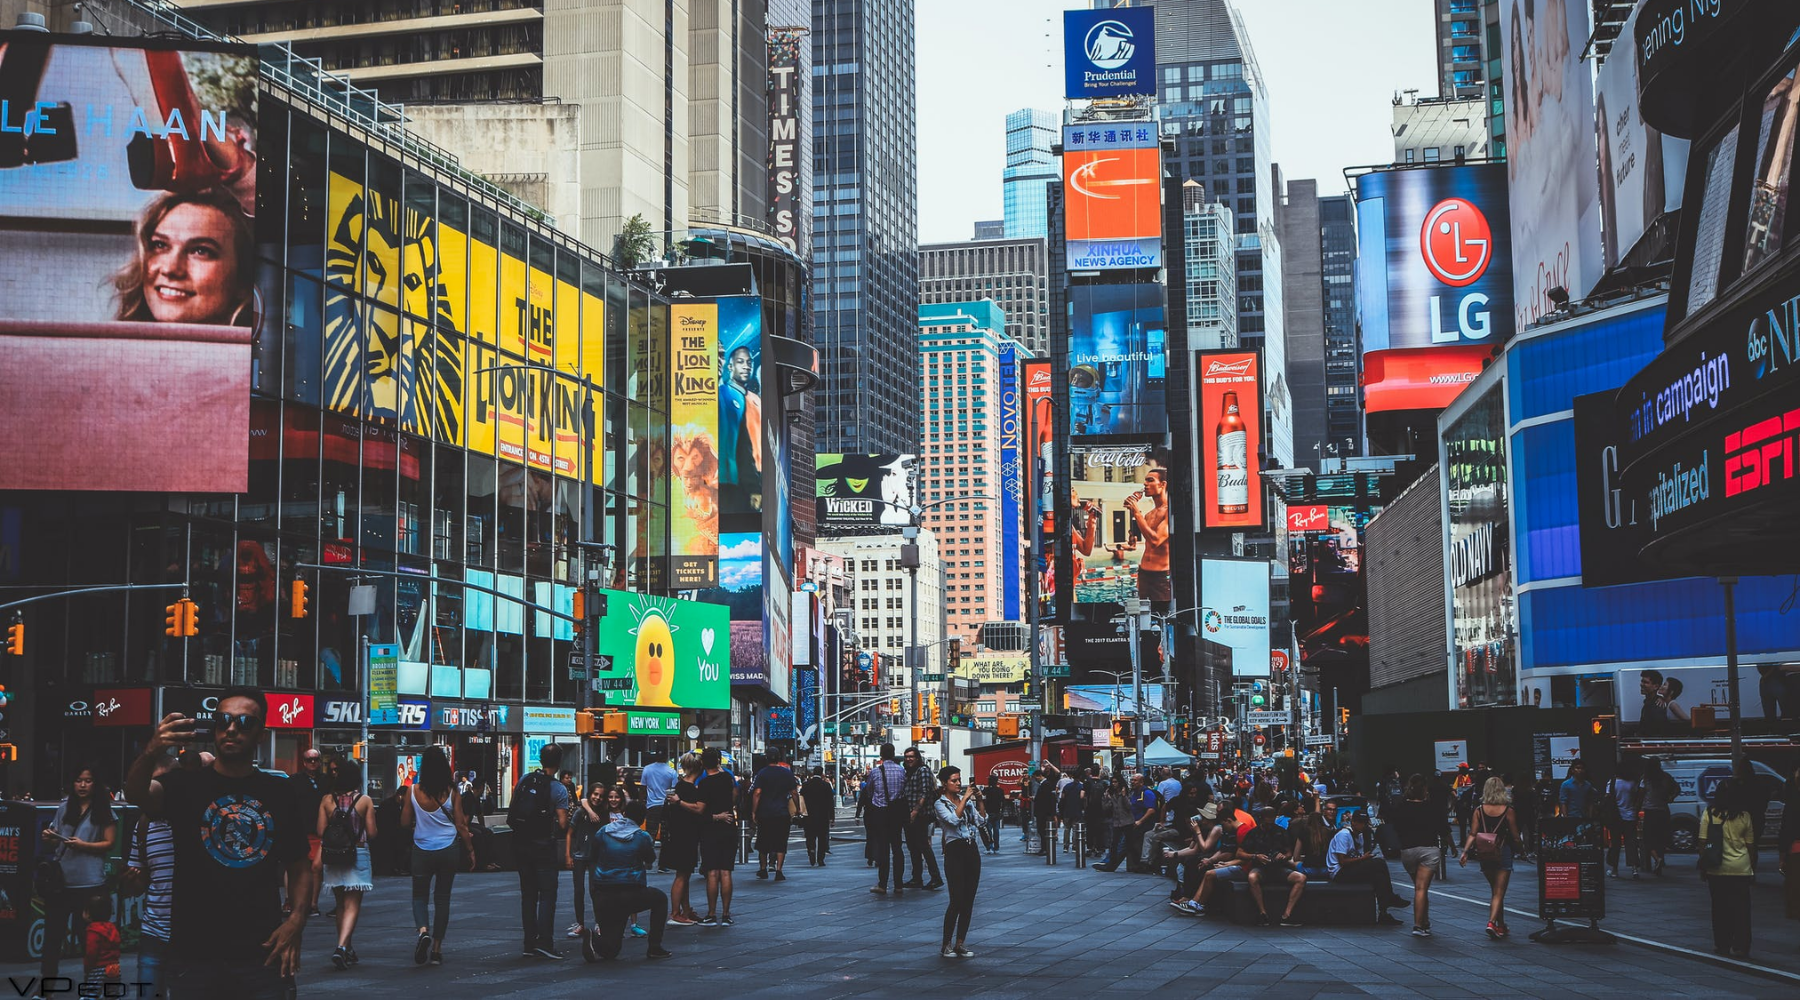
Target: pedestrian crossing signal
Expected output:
[15,639]
[9,751]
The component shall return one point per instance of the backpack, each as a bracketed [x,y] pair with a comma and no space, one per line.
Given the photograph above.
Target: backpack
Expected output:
[1712,855]
[532,813]
[1487,842]
[337,845]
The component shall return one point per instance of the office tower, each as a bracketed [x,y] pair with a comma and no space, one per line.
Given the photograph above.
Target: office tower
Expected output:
[1211,270]
[959,351]
[865,230]
[1303,297]
[593,110]
[882,596]
[1337,269]
[1214,106]
[1030,166]
[1448,129]
[990,229]
[1461,65]
[1012,272]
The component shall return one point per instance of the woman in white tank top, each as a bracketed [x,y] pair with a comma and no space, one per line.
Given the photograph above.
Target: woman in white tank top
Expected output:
[435,813]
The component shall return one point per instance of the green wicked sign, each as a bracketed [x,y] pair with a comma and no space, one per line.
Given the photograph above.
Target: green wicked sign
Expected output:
[665,653]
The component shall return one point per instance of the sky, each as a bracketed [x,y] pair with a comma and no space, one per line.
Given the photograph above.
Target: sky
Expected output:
[1332,68]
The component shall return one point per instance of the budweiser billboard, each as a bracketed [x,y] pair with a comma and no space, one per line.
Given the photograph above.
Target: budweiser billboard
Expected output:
[1229,431]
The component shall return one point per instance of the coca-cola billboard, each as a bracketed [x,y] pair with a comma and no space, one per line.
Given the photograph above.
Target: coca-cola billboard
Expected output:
[1120,524]
[1229,432]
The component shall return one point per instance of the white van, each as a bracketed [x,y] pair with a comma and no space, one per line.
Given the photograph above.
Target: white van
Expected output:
[1684,811]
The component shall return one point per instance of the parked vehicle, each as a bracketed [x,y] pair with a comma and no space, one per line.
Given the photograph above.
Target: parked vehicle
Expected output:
[1696,778]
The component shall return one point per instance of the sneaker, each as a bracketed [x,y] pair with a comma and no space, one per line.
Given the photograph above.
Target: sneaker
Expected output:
[962,952]
[1388,920]
[879,890]
[588,952]
[914,884]
[437,958]
[1505,931]
[1399,902]
[637,931]
[1421,932]
[1262,920]
[1193,909]
[1289,921]
[659,953]
[1179,904]
[353,957]
[340,957]
[725,921]
[948,952]
[1612,873]
[1493,931]
[529,951]
[709,921]
[545,951]
[574,930]
[681,921]
[781,876]
[422,950]
[761,873]
[935,884]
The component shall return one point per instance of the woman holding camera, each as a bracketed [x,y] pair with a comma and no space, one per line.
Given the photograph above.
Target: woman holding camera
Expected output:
[959,812]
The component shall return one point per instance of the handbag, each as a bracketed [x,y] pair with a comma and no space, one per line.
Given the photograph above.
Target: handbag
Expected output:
[135,879]
[47,878]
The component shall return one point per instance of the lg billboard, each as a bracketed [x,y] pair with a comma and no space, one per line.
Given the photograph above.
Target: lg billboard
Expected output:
[1434,281]
[1112,196]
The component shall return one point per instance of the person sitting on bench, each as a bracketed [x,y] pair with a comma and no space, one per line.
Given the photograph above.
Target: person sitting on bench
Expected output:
[1269,852]
[1351,858]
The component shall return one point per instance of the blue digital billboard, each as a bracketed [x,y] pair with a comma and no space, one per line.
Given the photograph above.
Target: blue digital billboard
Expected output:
[1010,486]
[1109,53]
[1118,360]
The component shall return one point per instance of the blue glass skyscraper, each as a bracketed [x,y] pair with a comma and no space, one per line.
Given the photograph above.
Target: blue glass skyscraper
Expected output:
[1030,166]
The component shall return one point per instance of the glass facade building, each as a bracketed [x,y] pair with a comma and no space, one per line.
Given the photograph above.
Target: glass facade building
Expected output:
[416,418]
[1030,166]
[865,262]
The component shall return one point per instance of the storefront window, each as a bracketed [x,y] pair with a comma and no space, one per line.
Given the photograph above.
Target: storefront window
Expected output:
[303,328]
[380,454]
[414,502]
[1774,161]
[306,197]
[1484,630]
[1709,233]
[483,487]
[511,534]
[447,504]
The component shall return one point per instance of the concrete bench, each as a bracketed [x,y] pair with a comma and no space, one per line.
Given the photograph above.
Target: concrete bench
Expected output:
[1323,903]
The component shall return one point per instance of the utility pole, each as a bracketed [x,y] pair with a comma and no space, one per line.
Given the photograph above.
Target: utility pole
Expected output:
[1133,610]
[1731,672]
[909,560]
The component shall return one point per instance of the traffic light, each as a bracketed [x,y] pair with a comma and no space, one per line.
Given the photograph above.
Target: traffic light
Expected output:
[1344,717]
[578,609]
[1256,695]
[893,706]
[932,734]
[297,598]
[1606,725]
[1007,727]
[172,615]
[15,637]
[190,617]
[955,655]
[1120,730]
[359,750]
[918,734]
[9,751]
[584,723]
[934,710]
[614,724]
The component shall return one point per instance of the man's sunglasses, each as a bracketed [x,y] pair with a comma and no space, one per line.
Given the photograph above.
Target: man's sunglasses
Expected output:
[246,722]
[309,760]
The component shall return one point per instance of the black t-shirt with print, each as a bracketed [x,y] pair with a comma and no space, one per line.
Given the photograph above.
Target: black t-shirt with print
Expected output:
[234,838]
[719,793]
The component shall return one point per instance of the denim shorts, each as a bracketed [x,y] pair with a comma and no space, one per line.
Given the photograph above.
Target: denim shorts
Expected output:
[1227,872]
[1504,864]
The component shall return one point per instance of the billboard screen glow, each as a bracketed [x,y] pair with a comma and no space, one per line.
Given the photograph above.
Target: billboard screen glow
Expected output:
[864,489]
[1109,53]
[1118,360]
[1120,524]
[1112,195]
[128,303]
[665,653]
[694,451]
[1229,432]
[1234,598]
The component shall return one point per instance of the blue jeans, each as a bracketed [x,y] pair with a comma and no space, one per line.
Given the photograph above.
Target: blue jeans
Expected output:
[1121,840]
[152,951]
[212,977]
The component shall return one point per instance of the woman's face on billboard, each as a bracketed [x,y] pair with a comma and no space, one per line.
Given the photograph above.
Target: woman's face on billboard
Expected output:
[190,267]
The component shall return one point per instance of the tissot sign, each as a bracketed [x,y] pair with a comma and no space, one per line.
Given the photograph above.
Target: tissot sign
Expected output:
[1109,53]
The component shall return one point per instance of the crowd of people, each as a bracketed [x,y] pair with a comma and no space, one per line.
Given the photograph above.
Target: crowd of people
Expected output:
[243,839]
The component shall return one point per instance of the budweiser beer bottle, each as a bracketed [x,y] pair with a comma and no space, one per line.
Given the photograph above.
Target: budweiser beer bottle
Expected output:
[1233,463]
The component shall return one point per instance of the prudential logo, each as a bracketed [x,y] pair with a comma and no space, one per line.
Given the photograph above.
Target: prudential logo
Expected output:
[1110,45]
[1456,242]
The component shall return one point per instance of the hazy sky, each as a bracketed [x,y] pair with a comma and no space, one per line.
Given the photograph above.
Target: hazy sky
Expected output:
[1331,66]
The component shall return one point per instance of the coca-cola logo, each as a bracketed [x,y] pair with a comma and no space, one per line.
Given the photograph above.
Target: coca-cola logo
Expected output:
[1239,368]
[1117,458]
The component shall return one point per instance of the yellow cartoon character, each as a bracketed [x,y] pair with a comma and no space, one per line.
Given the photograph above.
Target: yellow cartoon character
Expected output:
[655,659]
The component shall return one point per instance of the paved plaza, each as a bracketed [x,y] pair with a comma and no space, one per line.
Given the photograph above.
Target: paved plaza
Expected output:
[1048,932]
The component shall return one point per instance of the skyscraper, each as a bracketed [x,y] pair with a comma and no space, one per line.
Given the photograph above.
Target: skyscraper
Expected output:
[1303,293]
[1461,68]
[1211,270]
[959,357]
[865,232]
[1337,269]
[1030,166]
[1012,272]
[1214,105]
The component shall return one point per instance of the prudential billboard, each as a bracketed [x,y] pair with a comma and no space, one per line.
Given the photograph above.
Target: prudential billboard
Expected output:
[1109,53]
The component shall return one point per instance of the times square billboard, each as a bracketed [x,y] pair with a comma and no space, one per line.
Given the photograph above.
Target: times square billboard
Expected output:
[1434,281]
[1112,196]
[128,173]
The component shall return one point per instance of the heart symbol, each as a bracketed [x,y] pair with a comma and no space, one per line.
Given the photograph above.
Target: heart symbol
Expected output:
[706,640]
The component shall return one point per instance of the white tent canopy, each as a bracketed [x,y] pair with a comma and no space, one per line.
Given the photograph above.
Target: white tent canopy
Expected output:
[1161,751]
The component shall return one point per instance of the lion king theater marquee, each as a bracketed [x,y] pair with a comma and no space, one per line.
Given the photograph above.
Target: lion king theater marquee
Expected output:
[1708,434]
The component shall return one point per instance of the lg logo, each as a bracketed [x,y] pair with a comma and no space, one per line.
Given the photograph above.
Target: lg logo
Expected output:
[1457,245]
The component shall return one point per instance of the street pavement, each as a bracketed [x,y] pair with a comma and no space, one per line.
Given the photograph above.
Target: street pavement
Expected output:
[1043,931]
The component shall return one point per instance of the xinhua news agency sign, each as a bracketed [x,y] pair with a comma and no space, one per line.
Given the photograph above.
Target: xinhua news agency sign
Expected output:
[1109,53]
